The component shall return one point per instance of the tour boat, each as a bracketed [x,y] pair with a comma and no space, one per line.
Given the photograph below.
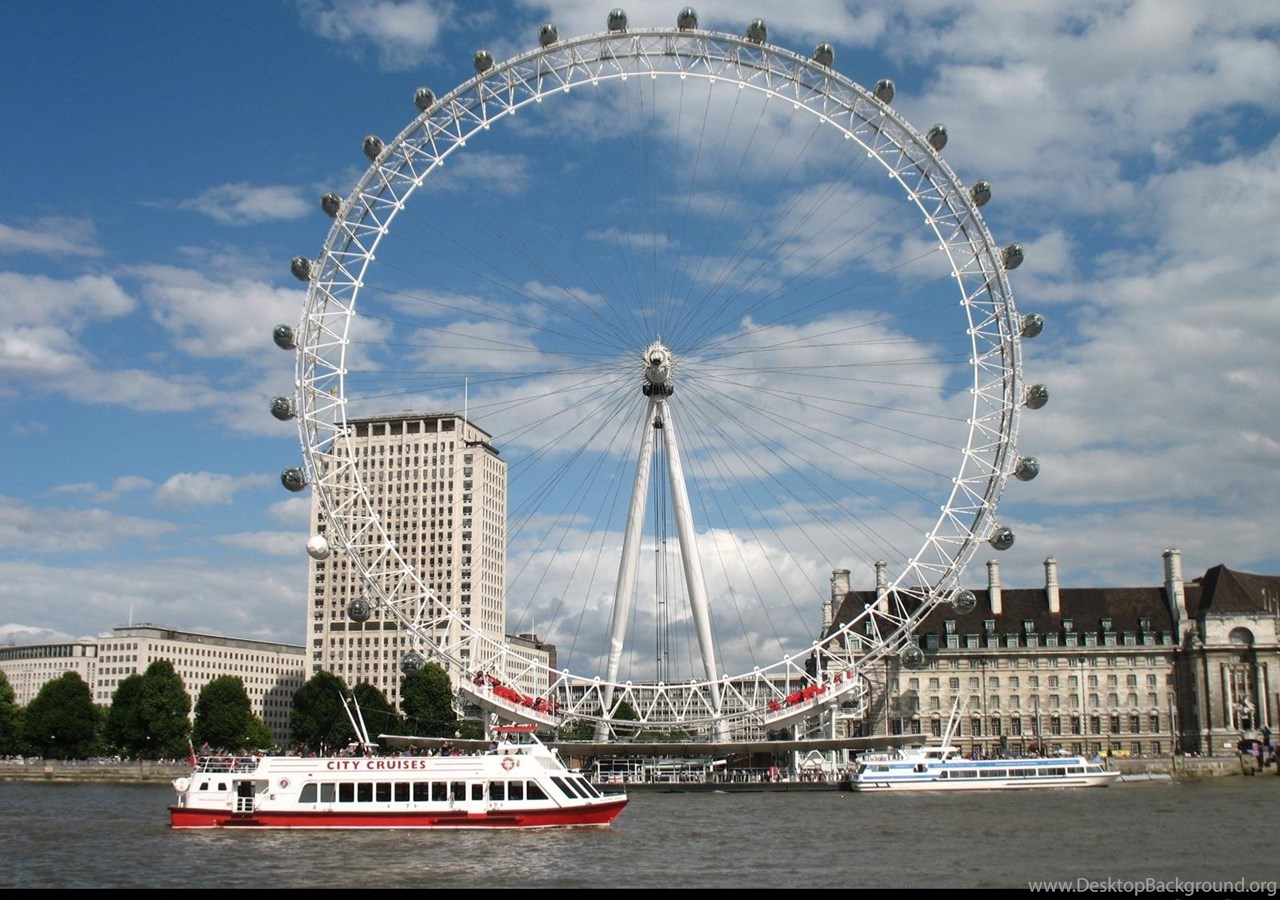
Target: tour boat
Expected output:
[518,782]
[945,768]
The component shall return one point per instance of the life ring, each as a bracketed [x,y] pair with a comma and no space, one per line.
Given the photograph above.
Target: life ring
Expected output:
[508,763]
[181,784]
[284,783]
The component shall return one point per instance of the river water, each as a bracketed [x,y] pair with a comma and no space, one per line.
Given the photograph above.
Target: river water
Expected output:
[1132,836]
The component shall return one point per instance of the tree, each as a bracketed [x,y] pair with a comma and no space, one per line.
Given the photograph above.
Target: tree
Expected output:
[9,718]
[61,722]
[319,720]
[223,714]
[258,734]
[149,716]
[379,716]
[426,696]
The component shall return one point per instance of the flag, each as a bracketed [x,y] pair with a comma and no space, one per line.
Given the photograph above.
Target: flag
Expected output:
[191,753]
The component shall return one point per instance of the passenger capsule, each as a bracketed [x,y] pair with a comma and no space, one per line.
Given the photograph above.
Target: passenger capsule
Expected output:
[617,20]
[964,602]
[317,547]
[884,91]
[937,137]
[483,61]
[980,193]
[282,408]
[548,35]
[824,55]
[1012,256]
[412,662]
[1028,468]
[423,98]
[293,479]
[283,336]
[373,146]
[1037,396]
[687,20]
[912,656]
[1032,325]
[757,33]
[300,266]
[330,203]
[359,610]
[1002,538]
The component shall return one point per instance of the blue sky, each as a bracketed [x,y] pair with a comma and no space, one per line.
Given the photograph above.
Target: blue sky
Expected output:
[166,160]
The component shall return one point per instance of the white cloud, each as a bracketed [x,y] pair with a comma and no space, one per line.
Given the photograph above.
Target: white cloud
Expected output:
[51,236]
[398,33]
[45,530]
[247,204]
[204,489]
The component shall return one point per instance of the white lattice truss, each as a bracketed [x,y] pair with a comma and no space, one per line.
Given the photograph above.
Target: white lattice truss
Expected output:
[751,700]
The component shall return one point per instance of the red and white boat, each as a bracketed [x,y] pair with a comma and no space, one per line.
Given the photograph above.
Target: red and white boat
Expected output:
[518,782]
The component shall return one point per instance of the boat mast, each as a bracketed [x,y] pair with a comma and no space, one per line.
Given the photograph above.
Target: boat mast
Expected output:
[953,723]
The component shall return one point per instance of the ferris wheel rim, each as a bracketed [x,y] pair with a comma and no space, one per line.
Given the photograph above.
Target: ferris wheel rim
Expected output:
[364,218]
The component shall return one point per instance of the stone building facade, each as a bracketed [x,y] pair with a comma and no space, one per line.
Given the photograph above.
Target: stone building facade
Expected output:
[1148,671]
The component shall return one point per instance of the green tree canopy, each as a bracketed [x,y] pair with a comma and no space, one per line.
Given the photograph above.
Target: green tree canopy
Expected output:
[223,715]
[319,721]
[125,730]
[380,716]
[62,722]
[426,696]
[149,714]
[10,718]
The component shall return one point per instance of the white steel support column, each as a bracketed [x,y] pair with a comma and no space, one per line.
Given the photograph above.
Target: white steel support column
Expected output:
[624,593]
[694,583]
[657,386]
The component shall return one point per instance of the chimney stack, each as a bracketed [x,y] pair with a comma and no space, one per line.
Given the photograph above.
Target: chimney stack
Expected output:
[882,585]
[839,588]
[1051,585]
[1175,590]
[993,586]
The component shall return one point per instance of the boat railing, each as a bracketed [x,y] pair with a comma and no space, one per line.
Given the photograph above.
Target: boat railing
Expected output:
[227,764]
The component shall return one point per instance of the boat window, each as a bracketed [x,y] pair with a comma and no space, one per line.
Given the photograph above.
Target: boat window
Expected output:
[587,786]
[534,791]
[497,790]
[515,790]
[346,792]
[439,791]
[382,792]
[993,773]
[402,792]
[458,790]
[364,792]
[328,790]
[308,794]
[565,787]
[477,790]
[421,791]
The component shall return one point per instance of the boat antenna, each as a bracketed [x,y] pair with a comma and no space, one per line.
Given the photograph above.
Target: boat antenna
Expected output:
[362,733]
[953,722]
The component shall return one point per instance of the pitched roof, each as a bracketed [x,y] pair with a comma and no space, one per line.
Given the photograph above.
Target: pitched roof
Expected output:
[1224,591]
[1220,590]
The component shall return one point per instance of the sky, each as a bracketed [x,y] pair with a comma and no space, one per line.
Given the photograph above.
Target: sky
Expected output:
[166,163]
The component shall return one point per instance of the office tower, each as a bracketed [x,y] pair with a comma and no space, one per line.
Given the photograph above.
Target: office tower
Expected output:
[439,488]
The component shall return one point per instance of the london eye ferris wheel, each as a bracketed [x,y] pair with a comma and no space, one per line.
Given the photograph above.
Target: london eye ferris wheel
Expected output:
[734,324]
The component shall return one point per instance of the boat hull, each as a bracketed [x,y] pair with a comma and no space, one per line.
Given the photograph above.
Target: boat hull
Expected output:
[518,782]
[599,815]
[934,783]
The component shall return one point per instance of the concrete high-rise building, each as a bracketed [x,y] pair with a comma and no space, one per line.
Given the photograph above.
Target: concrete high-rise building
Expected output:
[439,488]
